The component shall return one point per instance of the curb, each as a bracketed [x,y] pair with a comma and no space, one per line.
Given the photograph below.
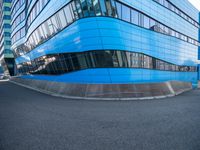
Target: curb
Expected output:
[97,99]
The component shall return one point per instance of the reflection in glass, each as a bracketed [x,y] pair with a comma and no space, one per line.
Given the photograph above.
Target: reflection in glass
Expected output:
[67,62]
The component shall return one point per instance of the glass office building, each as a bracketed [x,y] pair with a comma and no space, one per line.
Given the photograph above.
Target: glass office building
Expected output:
[106,41]
[6,55]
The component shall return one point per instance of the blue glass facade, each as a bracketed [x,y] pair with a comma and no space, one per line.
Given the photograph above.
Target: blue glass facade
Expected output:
[106,41]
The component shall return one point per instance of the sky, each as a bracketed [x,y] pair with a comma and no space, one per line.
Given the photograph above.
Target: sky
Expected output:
[196,3]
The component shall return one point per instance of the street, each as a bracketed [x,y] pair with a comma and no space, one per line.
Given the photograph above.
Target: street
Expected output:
[30,120]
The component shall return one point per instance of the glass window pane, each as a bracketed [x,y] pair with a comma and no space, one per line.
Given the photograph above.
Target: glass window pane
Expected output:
[96,7]
[125,13]
[90,8]
[78,8]
[173,33]
[106,62]
[114,10]
[119,10]
[45,29]
[82,61]
[141,19]
[122,59]
[85,7]
[35,38]
[103,7]
[152,24]
[62,19]
[32,42]
[50,27]
[146,22]
[37,34]
[109,8]
[73,10]
[114,58]
[42,36]
[55,23]
[135,17]
[68,14]
[147,62]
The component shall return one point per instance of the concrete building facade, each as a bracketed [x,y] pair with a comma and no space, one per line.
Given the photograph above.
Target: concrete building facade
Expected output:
[6,55]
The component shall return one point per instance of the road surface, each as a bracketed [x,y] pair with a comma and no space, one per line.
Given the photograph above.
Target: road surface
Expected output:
[34,121]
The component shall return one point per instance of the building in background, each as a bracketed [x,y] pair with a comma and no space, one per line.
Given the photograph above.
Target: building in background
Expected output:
[6,55]
[106,41]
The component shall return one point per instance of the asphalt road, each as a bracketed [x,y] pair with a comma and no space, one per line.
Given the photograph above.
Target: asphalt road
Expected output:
[33,121]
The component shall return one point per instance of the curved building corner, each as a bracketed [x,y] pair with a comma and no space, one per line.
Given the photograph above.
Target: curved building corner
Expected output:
[106,42]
